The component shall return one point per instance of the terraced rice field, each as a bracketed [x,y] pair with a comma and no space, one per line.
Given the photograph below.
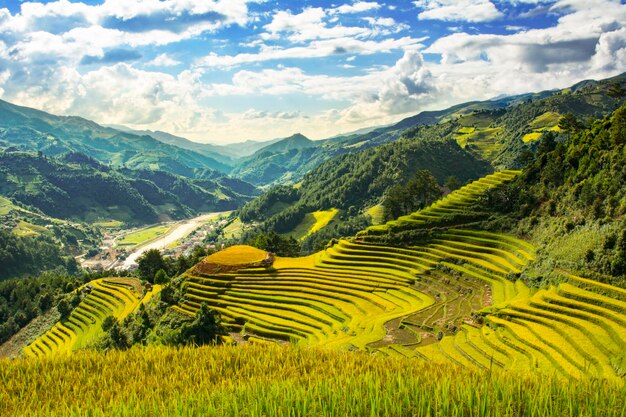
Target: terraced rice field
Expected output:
[104,297]
[449,300]
[548,121]
[313,222]
[483,139]
[455,208]
[531,137]
[564,330]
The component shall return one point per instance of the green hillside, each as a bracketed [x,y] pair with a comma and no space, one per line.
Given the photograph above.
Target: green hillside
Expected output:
[514,282]
[498,131]
[28,129]
[76,186]
[276,162]
[354,182]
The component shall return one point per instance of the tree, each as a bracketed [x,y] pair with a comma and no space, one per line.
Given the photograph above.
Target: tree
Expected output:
[547,144]
[108,322]
[45,301]
[64,308]
[205,329]
[161,277]
[419,192]
[115,337]
[618,127]
[275,243]
[149,263]
[569,123]
[615,91]
[452,183]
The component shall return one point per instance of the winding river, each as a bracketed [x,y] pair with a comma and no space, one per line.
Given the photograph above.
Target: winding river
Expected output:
[178,231]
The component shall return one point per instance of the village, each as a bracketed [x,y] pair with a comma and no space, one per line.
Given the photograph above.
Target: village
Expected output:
[121,248]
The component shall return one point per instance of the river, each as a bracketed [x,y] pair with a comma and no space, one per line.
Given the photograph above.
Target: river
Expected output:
[178,231]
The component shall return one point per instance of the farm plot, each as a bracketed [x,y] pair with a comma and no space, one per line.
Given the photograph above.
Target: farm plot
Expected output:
[456,208]
[117,297]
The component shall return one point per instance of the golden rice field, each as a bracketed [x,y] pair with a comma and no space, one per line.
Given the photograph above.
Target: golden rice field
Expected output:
[143,235]
[446,301]
[458,203]
[117,297]
[440,329]
[237,255]
[261,380]
[312,223]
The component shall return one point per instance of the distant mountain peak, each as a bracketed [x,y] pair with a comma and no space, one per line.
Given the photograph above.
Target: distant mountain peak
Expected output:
[295,141]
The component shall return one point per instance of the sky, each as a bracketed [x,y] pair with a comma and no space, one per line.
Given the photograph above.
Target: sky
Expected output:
[223,71]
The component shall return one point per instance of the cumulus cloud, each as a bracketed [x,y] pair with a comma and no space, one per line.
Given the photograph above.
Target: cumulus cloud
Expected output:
[458,10]
[74,58]
[610,52]
[357,7]
[163,60]
[315,49]
[252,114]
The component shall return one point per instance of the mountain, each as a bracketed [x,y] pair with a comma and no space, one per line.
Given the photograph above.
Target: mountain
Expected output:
[355,181]
[75,186]
[28,129]
[246,148]
[219,153]
[355,172]
[495,130]
[276,162]
[293,142]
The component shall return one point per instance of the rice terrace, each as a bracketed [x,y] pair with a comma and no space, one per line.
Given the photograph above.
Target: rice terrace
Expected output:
[256,208]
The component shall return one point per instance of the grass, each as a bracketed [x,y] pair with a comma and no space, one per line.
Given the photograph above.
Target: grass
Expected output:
[457,202]
[531,137]
[24,228]
[267,379]
[546,121]
[143,235]
[484,139]
[5,206]
[376,213]
[237,255]
[234,229]
[109,224]
[313,222]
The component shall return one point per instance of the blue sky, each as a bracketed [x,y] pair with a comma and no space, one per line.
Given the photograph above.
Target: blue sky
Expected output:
[228,70]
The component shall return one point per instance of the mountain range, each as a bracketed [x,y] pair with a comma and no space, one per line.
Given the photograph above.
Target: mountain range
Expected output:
[171,177]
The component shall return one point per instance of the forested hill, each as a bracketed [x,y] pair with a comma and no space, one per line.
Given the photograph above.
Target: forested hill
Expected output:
[570,201]
[498,130]
[355,181]
[76,186]
[28,129]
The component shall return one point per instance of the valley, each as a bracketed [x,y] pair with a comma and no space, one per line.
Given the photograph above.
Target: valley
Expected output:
[176,239]
[121,248]
[485,242]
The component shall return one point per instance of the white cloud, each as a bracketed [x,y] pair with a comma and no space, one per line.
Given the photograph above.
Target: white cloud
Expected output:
[308,25]
[458,10]
[382,21]
[163,60]
[357,7]
[315,49]
[610,53]
[42,48]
